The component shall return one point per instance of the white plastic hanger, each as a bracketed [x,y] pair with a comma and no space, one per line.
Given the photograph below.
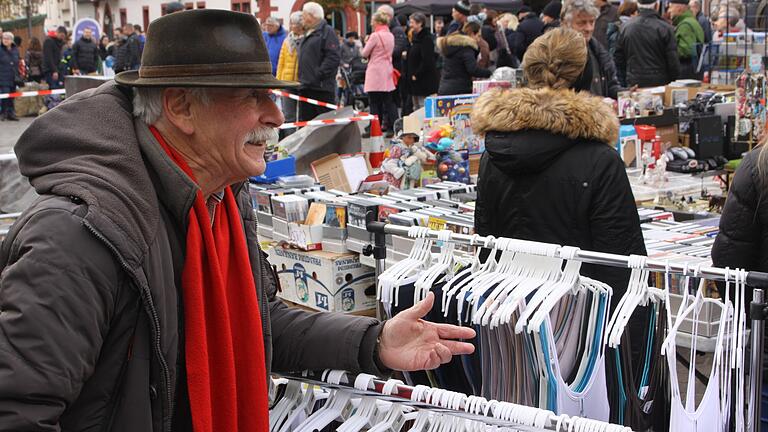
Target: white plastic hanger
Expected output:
[291,399]
[443,266]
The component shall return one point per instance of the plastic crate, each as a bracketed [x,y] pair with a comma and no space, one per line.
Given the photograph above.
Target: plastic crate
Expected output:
[275,169]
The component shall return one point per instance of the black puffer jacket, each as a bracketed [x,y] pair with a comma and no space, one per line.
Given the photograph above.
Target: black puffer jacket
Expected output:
[550,174]
[459,64]
[51,54]
[319,59]
[85,54]
[422,64]
[743,238]
[646,51]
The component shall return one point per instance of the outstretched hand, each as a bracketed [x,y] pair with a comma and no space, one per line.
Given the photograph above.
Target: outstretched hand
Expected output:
[409,343]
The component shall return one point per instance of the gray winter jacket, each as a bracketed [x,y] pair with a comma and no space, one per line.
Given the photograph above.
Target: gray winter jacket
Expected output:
[90,330]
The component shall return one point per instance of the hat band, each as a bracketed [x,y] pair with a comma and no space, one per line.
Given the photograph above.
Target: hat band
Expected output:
[191,70]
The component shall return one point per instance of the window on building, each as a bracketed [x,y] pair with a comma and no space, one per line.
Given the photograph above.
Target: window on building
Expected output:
[145,16]
[201,5]
[189,5]
[163,9]
[123,17]
[241,6]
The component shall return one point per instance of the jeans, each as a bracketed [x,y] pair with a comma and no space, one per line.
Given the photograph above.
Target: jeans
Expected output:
[6,105]
[383,106]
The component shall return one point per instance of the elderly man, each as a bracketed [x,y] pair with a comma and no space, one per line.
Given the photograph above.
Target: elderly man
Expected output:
[274,35]
[646,51]
[581,15]
[319,60]
[703,20]
[689,37]
[134,295]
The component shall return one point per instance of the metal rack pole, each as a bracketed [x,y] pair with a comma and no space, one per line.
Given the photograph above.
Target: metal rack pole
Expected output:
[759,309]
[402,395]
[757,313]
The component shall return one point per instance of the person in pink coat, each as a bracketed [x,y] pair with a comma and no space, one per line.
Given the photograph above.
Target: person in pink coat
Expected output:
[379,81]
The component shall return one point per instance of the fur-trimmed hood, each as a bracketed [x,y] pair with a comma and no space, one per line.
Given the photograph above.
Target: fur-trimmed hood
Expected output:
[454,42]
[526,129]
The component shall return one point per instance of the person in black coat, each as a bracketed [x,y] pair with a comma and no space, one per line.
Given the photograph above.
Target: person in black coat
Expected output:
[743,238]
[460,52]
[52,57]
[319,60]
[9,72]
[530,28]
[549,172]
[646,49]
[550,16]
[581,15]
[85,54]
[422,62]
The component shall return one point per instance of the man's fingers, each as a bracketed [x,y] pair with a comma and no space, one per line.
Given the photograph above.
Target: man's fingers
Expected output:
[419,309]
[458,348]
[448,331]
[443,352]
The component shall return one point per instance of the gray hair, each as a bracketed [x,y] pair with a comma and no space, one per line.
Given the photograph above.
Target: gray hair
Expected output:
[387,9]
[148,102]
[8,35]
[314,9]
[272,20]
[296,18]
[575,7]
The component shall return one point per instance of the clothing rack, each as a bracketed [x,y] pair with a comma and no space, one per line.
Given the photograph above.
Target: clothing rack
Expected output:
[758,308]
[402,394]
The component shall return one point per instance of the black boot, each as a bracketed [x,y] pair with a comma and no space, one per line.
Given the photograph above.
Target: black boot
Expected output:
[11,117]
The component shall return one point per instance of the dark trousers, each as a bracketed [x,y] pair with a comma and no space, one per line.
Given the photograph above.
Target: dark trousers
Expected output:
[6,105]
[309,111]
[289,111]
[52,84]
[383,106]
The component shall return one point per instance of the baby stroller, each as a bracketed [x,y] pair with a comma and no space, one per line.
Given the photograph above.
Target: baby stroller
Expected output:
[351,83]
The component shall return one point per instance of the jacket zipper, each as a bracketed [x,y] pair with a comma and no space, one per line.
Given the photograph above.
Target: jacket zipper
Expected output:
[150,308]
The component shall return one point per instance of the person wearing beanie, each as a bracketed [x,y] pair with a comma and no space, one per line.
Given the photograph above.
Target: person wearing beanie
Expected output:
[689,37]
[460,13]
[530,27]
[549,172]
[646,49]
[551,15]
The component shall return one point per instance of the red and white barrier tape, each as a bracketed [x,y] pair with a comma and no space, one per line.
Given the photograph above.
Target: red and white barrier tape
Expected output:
[327,122]
[305,99]
[31,93]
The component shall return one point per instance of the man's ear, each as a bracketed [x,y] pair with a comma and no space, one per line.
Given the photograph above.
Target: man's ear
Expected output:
[177,106]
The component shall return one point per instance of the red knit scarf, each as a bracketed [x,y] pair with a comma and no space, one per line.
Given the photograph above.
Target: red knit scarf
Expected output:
[226,375]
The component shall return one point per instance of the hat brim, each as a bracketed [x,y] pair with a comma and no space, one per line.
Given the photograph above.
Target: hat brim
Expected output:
[131,78]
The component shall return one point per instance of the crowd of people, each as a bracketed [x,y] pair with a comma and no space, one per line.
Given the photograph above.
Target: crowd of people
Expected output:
[403,60]
[59,55]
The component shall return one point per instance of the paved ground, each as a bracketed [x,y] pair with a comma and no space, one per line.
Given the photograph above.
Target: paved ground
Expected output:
[10,132]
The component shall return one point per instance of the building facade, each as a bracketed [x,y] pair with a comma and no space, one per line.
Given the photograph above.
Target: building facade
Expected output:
[115,13]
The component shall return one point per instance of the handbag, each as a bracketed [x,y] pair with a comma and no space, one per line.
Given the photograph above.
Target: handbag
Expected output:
[395,76]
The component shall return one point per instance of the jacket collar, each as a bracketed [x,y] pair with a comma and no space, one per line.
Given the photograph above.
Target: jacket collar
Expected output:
[578,116]
[175,189]
[648,13]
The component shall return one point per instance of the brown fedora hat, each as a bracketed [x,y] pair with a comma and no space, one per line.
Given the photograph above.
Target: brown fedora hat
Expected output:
[204,48]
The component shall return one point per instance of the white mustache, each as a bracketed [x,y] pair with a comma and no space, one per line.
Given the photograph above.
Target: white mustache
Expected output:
[262,134]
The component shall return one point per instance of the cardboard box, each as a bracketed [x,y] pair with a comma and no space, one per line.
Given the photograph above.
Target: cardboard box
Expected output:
[342,172]
[674,95]
[324,281]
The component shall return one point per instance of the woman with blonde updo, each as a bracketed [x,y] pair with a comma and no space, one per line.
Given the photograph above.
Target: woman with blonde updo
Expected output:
[550,172]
